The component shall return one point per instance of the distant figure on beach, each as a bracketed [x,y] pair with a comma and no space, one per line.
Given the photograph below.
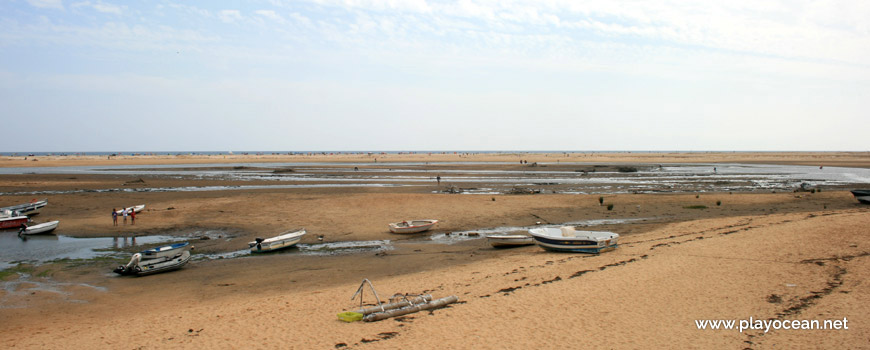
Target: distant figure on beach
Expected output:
[132,217]
[714,170]
[125,216]
[114,217]
[438,178]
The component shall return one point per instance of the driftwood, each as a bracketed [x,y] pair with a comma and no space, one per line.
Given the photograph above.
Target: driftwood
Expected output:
[418,300]
[412,309]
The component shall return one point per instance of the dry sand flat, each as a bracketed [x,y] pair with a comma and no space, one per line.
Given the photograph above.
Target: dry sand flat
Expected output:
[646,294]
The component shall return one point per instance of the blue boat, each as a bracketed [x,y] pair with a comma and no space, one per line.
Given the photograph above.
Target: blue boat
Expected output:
[164,251]
[567,239]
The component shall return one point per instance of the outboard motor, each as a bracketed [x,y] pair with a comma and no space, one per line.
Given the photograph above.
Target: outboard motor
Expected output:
[129,268]
[259,243]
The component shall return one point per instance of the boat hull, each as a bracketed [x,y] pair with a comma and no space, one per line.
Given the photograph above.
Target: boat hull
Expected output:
[25,209]
[282,241]
[413,226]
[12,222]
[591,242]
[863,196]
[153,266]
[164,251]
[136,209]
[41,228]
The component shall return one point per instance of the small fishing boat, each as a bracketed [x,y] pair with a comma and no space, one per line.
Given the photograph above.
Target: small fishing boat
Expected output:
[165,251]
[506,241]
[136,208]
[284,240]
[567,239]
[12,221]
[45,227]
[863,196]
[155,260]
[412,226]
[25,209]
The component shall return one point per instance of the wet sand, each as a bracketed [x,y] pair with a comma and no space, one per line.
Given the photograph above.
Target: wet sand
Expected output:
[747,257]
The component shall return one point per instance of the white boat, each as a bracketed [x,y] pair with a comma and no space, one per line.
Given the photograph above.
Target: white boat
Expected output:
[160,259]
[567,239]
[505,241]
[45,227]
[25,209]
[165,251]
[284,240]
[136,208]
[412,226]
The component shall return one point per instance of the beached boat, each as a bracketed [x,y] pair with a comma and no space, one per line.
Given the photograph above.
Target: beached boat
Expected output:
[25,209]
[165,251]
[136,209]
[12,221]
[412,226]
[567,239]
[863,196]
[45,227]
[506,241]
[155,260]
[284,240]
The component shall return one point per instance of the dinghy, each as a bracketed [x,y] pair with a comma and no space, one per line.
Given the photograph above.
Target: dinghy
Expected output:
[155,260]
[136,208]
[412,226]
[506,241]
[284,240]
[45,227]
[25,209]
[165,251]
[12,221]
[567,239]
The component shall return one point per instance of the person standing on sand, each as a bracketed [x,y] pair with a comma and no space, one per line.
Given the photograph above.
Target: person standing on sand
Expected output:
[125,216]
[132,217]
[114,217]
[438,178]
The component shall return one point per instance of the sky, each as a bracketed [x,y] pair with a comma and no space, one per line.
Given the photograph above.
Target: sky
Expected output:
[392,75]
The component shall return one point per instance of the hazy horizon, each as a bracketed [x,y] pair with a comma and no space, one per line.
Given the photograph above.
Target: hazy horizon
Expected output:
[422,75]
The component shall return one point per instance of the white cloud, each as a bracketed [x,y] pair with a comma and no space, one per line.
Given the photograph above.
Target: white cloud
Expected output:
[51,4]
[99,6]
[270,15]
[229,16]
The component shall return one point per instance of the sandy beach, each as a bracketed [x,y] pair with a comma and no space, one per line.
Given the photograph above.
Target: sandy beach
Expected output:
[768,255]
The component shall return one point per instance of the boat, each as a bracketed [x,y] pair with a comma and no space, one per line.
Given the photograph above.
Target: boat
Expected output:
[136,208]
[284,240]
[567,239]
[506,241]
[412,226]
[45,227]
[26,209]
[156,260]
[164,251]
[863,196]
[12,221]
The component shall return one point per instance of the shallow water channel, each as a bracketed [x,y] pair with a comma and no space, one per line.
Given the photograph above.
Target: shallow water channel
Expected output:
[41,249]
